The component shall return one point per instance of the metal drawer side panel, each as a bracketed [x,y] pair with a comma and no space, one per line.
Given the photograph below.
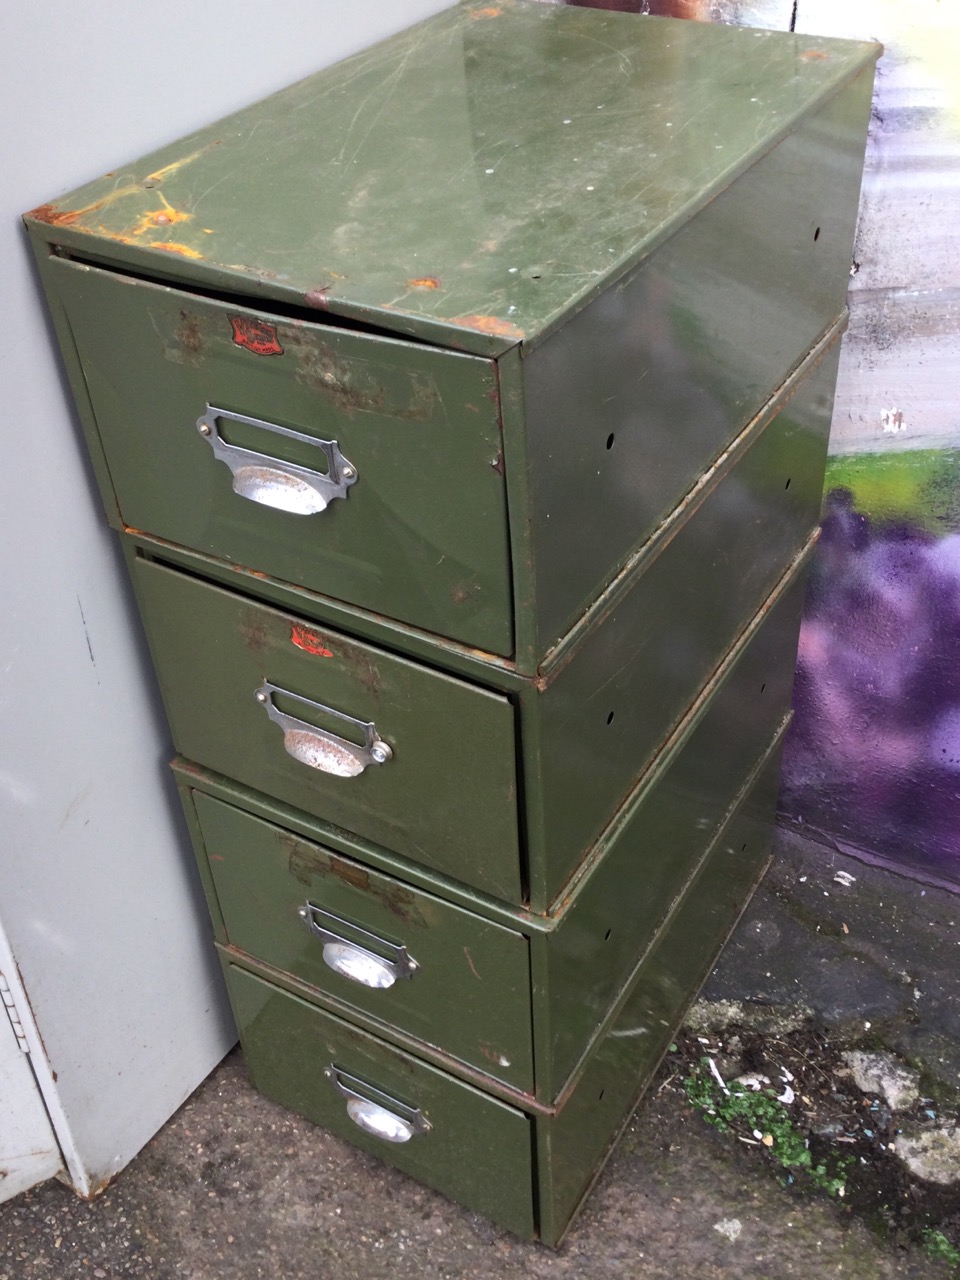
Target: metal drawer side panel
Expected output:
[447,798]
[469,992]
[636,395]
[604,715]
[656,846]
[477,1150]
[573,1145]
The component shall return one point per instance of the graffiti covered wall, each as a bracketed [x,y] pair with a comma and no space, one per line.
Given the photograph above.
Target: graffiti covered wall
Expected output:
[873,762]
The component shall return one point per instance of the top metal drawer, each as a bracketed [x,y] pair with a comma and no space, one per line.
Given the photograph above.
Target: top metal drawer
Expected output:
[361,467]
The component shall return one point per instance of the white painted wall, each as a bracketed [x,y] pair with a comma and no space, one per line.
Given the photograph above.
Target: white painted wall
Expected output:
[97,892]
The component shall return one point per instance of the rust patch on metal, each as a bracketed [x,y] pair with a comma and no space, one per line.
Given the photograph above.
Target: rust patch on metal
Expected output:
[491,11]
[165,216]
[49,214]
[253,631]
[317,298]
[814,55]
[309,641]
[424,282]
[367,672]
[306,862]
[490,324]
[173,246]
[460,594]
[190,337]
[324,370]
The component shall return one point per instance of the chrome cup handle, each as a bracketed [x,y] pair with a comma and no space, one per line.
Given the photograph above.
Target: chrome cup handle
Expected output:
[285,486]
[318,748]
[352,959]
[376,1112]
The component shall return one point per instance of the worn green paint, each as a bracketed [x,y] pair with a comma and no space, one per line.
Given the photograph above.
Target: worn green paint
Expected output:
[470,994]
[576,545]
[572,1146]
[607,709]
[448,796]
[547,150]
[640,865]
[471,998]
[637,395]
[477,1150]
[422,534]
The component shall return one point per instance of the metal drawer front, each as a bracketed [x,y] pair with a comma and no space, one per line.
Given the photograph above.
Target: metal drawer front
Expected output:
[473,1148]
[419,529]
[277,703]
[367,940]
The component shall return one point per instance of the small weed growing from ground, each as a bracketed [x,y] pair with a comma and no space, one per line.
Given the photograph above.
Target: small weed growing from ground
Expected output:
[938,1246]
[760,1118]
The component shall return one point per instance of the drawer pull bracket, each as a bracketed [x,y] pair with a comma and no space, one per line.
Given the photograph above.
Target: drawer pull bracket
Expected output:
[285,486]
[377,1112]
[353,960]
[318,748]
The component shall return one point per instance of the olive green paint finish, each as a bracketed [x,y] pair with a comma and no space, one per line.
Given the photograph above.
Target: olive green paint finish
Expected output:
[447,798]
[634,398]
[422,534]
[469,181]
[477,1150]
[470,993]
[604,714]
[472,998]
[565,286]
[572,1146]
[641,863]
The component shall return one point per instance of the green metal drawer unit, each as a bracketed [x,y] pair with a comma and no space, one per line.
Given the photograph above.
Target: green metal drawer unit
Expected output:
[463,410]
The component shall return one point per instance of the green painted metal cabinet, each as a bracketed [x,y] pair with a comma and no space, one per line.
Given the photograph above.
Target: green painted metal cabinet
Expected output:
[463,411]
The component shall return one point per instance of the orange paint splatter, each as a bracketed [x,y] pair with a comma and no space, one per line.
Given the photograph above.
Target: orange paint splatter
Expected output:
[171,246]
[424,282]
[490,324]
[166,216]
[309,641]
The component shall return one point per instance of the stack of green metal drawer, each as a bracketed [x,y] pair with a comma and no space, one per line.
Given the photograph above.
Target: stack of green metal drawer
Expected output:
[463,412]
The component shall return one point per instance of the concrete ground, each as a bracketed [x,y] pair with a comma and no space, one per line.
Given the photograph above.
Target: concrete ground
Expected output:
[234,1186]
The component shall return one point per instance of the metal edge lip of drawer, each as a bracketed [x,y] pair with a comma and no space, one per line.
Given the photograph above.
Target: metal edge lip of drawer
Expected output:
[406,756]
[357,465]
[406,958]
[440,1130]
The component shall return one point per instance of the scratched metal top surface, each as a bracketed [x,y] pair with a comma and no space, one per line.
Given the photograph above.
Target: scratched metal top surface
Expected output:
[471,180]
